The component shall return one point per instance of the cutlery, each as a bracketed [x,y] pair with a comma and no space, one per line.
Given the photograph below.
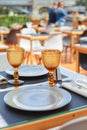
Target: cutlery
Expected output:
[57,77]
[78,85]
[3,80]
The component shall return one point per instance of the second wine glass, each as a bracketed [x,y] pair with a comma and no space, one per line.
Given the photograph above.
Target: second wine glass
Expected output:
[15,56]
[51,60]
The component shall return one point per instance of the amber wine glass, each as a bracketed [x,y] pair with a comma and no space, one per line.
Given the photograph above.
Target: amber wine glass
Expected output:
[51,60]
[15,56]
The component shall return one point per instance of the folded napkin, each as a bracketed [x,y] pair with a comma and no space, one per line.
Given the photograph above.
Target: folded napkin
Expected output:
[3,80]
[81,91]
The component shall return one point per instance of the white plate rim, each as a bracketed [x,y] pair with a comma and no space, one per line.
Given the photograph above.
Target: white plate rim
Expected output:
[66,99]
[40,73]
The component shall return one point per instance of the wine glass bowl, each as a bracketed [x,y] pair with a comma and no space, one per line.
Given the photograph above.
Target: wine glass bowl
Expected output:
[15,56]
[51,60]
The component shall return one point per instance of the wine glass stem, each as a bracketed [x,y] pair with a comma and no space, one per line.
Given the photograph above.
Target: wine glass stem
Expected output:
[51,80]
[16,76]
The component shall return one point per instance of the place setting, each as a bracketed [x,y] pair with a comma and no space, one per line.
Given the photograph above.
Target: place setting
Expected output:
[15,57]
[43,96]
[28,70]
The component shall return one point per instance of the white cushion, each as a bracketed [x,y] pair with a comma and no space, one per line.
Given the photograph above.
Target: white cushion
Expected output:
[54,42]
[3,61]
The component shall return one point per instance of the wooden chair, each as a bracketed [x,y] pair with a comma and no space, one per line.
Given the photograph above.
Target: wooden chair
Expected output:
[81,57]
[81,53]
[66,45]
[66,40]
[24,43]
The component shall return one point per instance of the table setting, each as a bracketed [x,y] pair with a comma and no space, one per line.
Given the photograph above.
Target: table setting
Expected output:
[60,101]
[45,91]
[28,70]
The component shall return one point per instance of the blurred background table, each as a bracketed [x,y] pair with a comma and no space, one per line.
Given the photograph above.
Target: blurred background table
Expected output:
[32,38]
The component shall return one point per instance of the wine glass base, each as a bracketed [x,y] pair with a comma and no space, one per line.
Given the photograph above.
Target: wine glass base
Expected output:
[19,82]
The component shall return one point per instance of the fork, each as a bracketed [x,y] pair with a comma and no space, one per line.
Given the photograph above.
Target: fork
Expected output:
[77,85]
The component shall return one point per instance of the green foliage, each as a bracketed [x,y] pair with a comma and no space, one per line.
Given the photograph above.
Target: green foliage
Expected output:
[82,3]
[6,20]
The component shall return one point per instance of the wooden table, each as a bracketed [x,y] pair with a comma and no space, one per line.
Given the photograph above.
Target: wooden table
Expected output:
[3,48]
[17,119]
[71,33]
[50,122]
[79,49]
[42,29]
[72,41]
[31,38]
[45,37]
[16,26]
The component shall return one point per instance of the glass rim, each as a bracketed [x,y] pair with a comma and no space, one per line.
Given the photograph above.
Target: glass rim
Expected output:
[50,50]
[15,49]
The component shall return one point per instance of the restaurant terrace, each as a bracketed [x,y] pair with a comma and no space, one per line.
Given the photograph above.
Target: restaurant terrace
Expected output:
[43,65]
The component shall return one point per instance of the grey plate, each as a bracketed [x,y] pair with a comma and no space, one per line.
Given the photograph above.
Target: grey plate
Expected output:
[29,70]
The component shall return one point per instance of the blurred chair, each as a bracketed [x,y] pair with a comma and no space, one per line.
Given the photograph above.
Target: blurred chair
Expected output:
[54,42]
[76,124]
[66,45]
[3,61]
[12,39]
[82,54]
[83,60]
[81,26]
[69,21]
[66,40]
[37,47]
[84,33]
[83,38]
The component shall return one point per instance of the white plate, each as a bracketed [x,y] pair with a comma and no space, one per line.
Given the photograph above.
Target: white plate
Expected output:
[29,70]
[37,98]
